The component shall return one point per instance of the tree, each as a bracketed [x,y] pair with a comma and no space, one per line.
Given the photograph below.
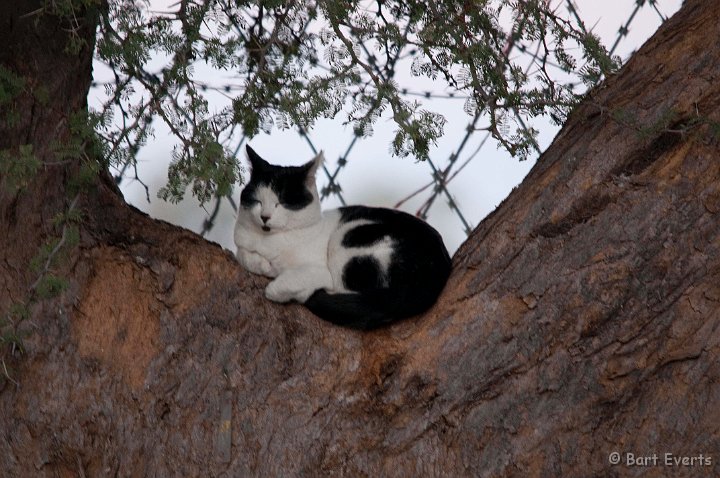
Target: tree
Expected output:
[581,318]
[296,62]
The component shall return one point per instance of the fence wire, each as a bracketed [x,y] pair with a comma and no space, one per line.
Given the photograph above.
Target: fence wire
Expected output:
[441,171]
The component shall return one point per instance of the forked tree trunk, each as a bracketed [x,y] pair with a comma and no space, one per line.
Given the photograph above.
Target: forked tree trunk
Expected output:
[582,317]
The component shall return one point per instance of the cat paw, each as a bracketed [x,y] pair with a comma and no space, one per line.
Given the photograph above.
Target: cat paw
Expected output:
[276,293]
[266,268]
[255,263]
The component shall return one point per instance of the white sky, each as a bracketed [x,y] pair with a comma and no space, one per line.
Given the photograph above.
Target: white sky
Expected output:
[372,176]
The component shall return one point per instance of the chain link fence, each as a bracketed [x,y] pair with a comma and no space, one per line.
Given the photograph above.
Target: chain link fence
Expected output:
[449,193]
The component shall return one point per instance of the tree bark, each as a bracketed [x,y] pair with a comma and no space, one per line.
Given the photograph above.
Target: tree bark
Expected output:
[581,319]
[55,83]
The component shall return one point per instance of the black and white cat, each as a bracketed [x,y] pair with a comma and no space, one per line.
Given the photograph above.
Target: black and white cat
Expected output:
[356,266]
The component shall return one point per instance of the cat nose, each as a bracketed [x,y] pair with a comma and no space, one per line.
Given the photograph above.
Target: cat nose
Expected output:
[265,219]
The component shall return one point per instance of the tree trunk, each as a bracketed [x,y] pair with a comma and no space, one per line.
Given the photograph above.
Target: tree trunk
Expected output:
[37,114]
[582,317]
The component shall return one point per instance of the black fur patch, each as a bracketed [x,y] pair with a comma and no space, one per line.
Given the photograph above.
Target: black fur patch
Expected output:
[365,235]
[247,196]
[288,182]
[418,269]
[363,273]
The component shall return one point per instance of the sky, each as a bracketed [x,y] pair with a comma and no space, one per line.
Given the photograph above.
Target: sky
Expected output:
[372,175]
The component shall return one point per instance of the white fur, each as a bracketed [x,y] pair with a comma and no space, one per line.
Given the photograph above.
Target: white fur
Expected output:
[296,258]
[338,255]
[302,251]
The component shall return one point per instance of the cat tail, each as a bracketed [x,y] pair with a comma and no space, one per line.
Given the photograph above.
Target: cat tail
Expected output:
[354,310]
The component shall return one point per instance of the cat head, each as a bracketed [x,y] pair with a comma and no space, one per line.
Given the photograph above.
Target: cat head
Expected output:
[280,198]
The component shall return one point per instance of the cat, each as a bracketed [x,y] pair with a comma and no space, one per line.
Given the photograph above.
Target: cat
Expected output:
[356,266]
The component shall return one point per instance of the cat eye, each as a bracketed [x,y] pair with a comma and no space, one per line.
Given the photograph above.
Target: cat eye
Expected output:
[248,203]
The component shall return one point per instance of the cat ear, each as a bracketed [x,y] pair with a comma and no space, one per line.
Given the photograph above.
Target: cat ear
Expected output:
[255,160]
[312,166]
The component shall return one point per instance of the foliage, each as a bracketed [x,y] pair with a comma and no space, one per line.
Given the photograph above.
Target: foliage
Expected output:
[17,167]
[11,85]
[47,285]
[292,63]
[71,14]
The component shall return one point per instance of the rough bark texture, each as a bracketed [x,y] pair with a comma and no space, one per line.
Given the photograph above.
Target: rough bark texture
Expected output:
[32,47]
[582,318]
